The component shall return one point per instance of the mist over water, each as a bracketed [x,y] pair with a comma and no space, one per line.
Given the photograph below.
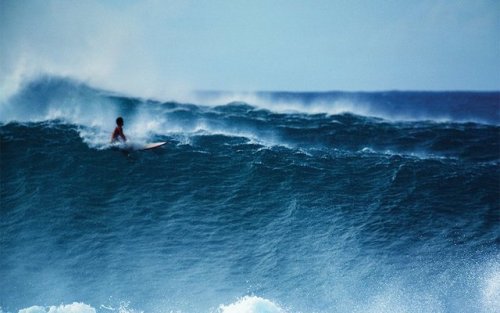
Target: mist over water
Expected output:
[259,202]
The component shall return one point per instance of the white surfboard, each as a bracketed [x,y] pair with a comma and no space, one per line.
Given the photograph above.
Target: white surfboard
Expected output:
[132,146]
[153,145]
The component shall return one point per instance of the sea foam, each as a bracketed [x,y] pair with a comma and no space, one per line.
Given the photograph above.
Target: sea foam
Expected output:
[247,304]
[75,307]
[251,304]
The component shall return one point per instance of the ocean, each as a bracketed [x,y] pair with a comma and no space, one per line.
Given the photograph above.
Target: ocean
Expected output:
[259,202]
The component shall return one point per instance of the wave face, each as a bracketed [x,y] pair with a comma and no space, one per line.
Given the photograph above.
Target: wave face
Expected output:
[376,202]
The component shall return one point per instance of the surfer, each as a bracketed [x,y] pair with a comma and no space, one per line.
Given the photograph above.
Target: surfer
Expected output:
[118,133]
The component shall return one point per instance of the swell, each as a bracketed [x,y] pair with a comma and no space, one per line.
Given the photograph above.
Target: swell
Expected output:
[49,97]
[479,107]
[221,215]
[318,212]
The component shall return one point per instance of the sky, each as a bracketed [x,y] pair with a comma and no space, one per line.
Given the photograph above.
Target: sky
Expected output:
[153,47]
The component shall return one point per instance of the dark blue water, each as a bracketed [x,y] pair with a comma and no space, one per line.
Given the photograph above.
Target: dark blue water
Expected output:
[291,202]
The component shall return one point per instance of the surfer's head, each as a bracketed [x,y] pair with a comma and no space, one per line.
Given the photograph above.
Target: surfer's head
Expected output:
[119,121]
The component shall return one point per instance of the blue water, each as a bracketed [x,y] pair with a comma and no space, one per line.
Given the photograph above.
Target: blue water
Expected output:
[268,202]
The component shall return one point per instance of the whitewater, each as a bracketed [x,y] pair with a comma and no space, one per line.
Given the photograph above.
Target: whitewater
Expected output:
[259,202]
